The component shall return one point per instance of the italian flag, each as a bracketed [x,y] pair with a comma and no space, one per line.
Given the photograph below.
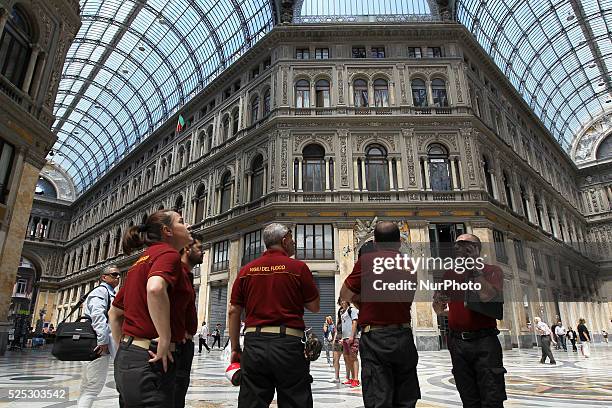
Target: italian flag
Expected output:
[180,124]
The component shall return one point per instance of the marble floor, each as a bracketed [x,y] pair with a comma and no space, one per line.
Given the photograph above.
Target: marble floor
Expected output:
[574,381]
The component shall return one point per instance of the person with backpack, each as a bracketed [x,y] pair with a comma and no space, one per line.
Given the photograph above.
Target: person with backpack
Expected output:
[96,308]
[329,330]
[350,343]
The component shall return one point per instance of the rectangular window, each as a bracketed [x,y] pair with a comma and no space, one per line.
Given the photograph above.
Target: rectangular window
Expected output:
[442,239]
[434,52]
[500,246]
[378,52]
[7,153]
[536,261]
[302,53]
[21,287]
[322,53]
[550,264]
[359,52]
[253,246]
[220,256]
[314,241]
[519,250]
[414,52]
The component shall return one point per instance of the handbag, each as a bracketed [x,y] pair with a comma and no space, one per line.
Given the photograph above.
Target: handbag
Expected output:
[76,341]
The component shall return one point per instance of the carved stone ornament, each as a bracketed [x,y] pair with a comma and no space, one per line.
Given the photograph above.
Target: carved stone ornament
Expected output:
[458,85]
[362,139]
[273,159]
[403,85]
[369,72]
[284,69]
[299,140]
[408,135]
[468,153]
[340,86]
[343,135]
[312,73]
[283,164]
[364,229]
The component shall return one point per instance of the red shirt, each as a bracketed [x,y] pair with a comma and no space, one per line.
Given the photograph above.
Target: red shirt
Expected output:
[160,259]
[378,313]
[273,290]
[461,318]
[192,315]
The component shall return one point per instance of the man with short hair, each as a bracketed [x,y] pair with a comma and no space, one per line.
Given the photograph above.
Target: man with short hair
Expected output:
[388,355]
[546,337]
[203,337]
[96,307]
[273,290]
[191,256]
[475,350]
[560,331]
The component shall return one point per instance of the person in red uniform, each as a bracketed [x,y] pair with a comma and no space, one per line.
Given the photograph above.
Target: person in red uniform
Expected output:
[191,256]
[273,290]
[148,316]
[388,355]
[475,350]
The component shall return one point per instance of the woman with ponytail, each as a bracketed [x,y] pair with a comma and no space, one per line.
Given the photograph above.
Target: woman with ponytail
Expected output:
[148,314]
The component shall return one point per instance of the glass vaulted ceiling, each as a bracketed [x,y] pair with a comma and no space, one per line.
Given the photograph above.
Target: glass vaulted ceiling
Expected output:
[557,53]
[134,63]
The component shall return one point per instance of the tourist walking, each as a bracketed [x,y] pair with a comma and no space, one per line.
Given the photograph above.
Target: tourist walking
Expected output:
[561,335]
[605,335]
[388,353]
[585,338]
[216,336]
[329,331]
[96,308]
[350,342]
[273,291]
[546,338]
[149,314]
[571,336]
[337,346]
[203,337]
[475,350]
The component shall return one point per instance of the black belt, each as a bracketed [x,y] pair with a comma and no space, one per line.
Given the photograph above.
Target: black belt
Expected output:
[474,335]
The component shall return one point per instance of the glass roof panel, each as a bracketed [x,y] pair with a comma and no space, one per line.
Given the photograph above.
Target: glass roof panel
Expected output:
[134,63]
[554,52]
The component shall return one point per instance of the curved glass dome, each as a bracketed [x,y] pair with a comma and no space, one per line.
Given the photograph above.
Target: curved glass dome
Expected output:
[557,54]
[133,63]
[351,11]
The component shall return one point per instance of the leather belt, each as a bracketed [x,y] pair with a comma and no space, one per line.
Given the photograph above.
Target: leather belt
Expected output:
[276,330]
[144,343]
[371,327]
[474,335]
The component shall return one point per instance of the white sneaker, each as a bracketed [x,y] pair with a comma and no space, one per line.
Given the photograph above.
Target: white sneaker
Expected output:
[335,380]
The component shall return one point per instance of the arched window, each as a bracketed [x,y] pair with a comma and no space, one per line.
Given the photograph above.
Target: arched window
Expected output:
[313,170]
[267,107]
[381,93]
[179,205]
[235,115]
[15,47]
[508,191]
[302,94]
[419,93]
[254,110]
[87,256]
[525,202]
[164,165]
[209,136]
[438,92]
[181,158]
[106,246]
[322,93]
[257,178]
[96,254]
[226,128]
[226,192]
[360,93]
[538,206]
[200,200]
[118,242]
[439,168]
[377,169]
[488,176]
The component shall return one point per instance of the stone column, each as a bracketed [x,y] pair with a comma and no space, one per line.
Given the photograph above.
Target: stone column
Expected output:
[265,179]
[427,186]
[370,94]
[203,289]
[233,268]
[363,177]
[425,321]
[429,94]
[355,174]
[391,182]
[327,181]
[400,183]
[249,177]
[454,174]
[461,178]
[299,186]
[218,200]
[30,69]
[346,258]
[24,181]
